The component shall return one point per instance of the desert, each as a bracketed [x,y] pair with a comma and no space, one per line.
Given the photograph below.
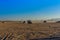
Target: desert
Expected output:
[24,31]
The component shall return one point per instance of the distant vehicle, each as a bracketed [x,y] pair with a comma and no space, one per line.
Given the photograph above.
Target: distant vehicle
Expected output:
[44,21]
[29,22]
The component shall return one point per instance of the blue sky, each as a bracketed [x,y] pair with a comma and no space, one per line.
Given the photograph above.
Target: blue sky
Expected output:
[29,9]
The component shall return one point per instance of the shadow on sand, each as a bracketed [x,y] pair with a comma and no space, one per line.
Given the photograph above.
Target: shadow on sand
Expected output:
[50,38]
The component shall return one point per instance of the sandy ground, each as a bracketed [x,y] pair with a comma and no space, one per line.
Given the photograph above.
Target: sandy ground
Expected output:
[20,31]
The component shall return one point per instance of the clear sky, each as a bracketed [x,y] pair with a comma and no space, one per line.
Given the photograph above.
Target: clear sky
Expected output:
[29,9]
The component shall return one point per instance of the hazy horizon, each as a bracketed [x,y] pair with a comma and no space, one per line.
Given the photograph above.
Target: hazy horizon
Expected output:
[29,9]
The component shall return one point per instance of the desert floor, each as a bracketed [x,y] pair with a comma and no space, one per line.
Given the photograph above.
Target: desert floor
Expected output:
[20,31]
